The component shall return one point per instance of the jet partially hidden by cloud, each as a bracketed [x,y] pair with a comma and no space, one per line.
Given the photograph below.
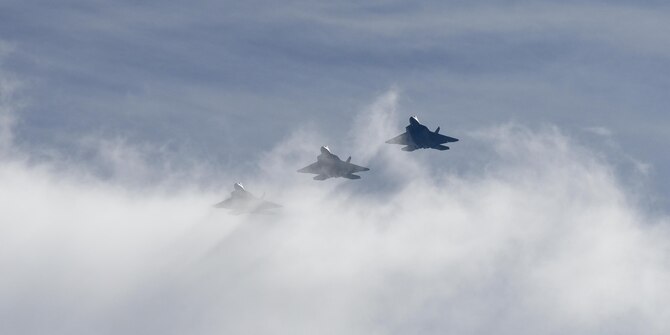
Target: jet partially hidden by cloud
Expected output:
[418,136]
[329,165]
[241,201]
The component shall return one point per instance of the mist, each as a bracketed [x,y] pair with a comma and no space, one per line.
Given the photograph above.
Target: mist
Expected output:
[536,233]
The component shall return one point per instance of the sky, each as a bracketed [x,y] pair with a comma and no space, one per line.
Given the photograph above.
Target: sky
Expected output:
[122,123]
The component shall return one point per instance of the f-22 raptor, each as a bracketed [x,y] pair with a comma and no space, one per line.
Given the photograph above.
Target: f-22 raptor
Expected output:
[418,136]
[329,165]
[241,201]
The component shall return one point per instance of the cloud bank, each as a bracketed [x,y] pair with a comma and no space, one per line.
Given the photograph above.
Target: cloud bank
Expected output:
[538,236]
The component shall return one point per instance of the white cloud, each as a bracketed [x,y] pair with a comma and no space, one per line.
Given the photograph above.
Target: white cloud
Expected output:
[600,131]
[546,239]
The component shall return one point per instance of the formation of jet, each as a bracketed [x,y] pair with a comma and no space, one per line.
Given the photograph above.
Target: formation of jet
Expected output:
[241,201]
[328,165]
[418,136]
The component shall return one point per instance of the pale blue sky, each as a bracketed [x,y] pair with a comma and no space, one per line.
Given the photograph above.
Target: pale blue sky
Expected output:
[219,81]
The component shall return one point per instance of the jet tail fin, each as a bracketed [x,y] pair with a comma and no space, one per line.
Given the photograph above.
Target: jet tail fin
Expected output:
[349,159]
[437,131]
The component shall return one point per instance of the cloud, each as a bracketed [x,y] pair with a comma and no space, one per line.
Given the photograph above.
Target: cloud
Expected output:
[542,238]
[600,131]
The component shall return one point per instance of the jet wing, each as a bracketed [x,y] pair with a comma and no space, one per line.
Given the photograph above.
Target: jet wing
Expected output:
[442,138]
[225,203]
[312,168]
[400,139]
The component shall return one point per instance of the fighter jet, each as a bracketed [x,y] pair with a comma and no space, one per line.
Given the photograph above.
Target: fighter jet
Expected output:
[417,136]
[329,165]
[241,202]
